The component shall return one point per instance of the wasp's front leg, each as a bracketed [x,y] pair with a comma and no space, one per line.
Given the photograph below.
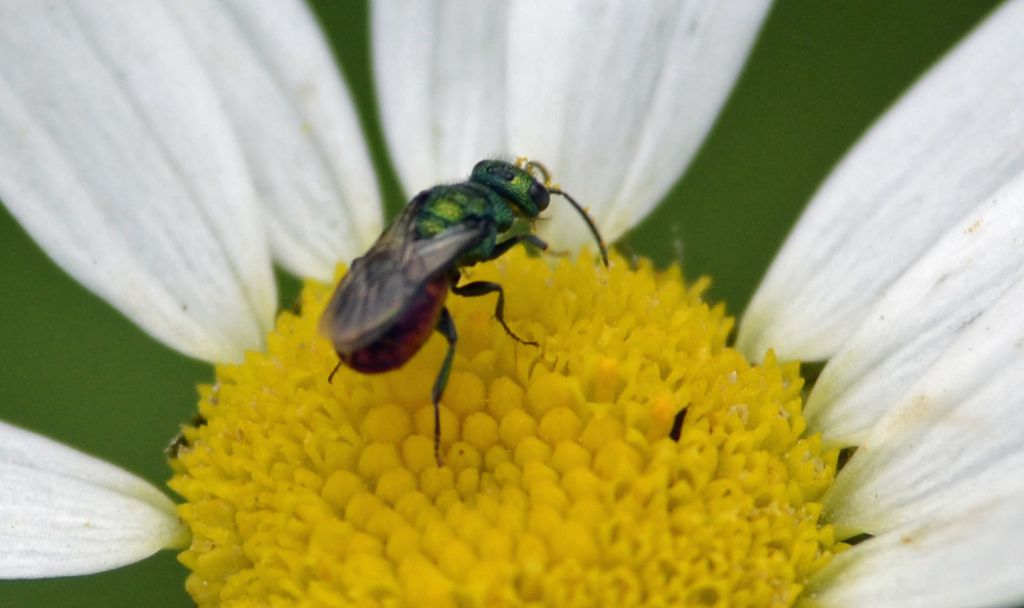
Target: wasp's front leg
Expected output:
[512,241]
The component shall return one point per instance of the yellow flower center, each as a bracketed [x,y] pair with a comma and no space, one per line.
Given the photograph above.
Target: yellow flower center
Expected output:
[632,459]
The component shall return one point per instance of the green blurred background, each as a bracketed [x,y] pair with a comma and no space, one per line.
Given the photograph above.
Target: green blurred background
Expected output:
[72,368]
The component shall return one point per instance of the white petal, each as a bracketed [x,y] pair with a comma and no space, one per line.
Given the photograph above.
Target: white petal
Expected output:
[440,70]
[961,559]
[297,125]
[617,97]
[949,143]
[614,97]
[65,513]
[924,311]
[117,158]
[954,435]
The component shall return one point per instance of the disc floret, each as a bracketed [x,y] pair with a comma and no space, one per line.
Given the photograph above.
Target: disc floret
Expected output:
[563,481]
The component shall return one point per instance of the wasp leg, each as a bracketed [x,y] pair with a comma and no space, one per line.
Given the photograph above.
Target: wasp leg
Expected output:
[512,241]
[482,288]
[445,327]
[330,378]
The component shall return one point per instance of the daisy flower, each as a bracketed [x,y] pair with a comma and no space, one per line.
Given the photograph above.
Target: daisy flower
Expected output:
[164,154]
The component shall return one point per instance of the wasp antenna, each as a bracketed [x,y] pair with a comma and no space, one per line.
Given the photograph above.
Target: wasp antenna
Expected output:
[586,218]
[530,165]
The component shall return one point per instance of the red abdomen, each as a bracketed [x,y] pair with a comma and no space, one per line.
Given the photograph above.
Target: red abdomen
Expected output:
[407,335]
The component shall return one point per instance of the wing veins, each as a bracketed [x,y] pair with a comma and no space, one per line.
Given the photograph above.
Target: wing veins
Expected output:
[381,284]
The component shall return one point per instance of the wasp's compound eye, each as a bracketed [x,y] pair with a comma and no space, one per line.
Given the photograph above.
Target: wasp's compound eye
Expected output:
[539,195]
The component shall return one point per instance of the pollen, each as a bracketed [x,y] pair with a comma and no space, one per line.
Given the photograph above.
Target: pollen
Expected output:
[633,458]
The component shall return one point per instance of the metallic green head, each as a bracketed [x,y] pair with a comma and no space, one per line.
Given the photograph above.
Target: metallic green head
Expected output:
[514,184]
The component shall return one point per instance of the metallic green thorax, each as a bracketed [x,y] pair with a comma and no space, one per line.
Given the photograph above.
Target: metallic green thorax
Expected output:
[495,194]
[450,205]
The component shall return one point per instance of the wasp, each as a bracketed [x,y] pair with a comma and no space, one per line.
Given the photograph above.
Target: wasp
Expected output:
[392,299]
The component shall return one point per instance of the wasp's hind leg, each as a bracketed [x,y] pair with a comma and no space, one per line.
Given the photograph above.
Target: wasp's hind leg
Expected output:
[445,327]
[482,288]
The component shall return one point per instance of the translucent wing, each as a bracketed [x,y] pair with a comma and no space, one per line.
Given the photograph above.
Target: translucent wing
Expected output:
[379,286]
